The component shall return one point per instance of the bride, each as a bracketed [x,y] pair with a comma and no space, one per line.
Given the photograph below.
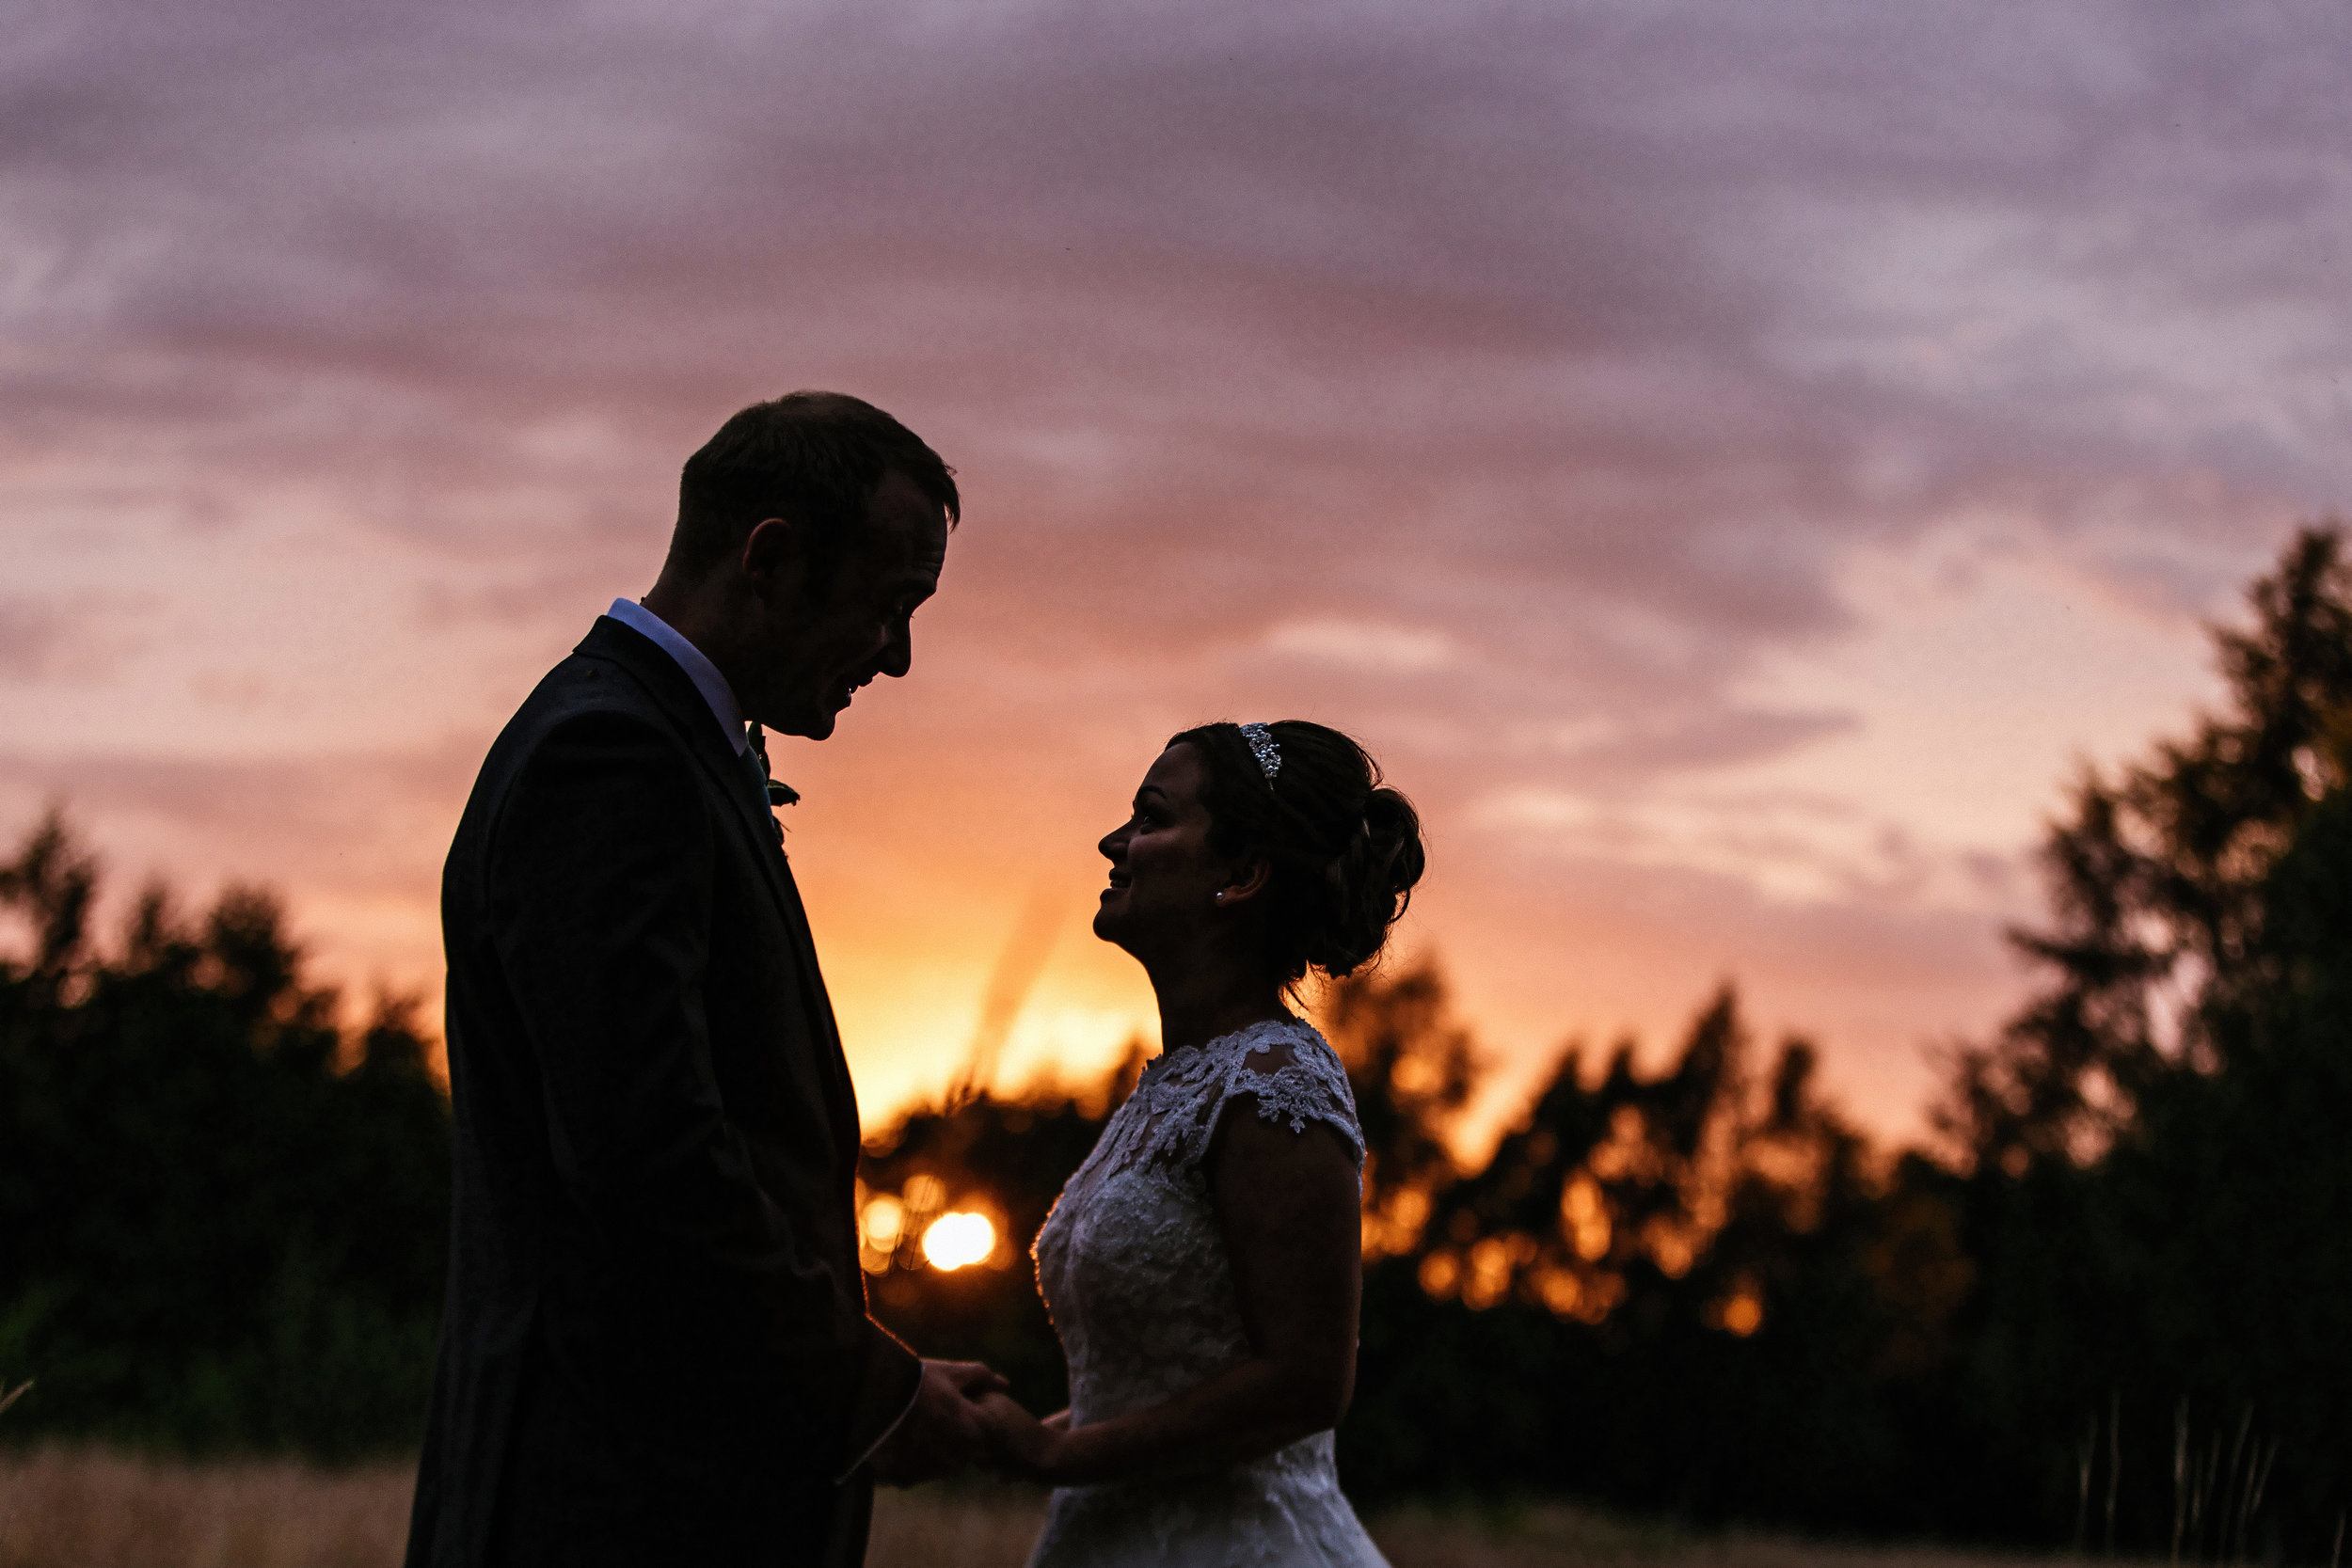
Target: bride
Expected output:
[1203,1266]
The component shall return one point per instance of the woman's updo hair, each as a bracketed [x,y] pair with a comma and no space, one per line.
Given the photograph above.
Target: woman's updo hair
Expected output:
[1344,850]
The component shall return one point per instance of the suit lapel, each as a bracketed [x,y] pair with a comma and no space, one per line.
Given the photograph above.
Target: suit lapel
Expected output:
[804,950]
[673,692]
[671,689]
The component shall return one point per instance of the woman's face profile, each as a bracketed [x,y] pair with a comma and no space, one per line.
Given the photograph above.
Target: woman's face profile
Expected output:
[1164,877]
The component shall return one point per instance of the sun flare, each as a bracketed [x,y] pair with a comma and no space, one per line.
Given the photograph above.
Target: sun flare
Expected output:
[956,1238]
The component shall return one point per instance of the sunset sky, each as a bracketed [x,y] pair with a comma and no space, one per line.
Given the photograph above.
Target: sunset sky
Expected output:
[1731,461]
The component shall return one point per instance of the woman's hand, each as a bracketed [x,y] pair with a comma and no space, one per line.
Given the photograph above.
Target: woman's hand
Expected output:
[1021,1445]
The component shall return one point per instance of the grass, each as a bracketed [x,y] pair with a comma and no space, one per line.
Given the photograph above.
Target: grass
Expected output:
[1556,1535]
[67,1508]
[63,1508]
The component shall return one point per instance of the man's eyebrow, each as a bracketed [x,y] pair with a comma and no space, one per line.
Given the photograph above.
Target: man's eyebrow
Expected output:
[1151,789]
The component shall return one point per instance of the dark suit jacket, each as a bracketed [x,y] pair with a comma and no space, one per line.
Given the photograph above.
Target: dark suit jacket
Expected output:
[657,1348]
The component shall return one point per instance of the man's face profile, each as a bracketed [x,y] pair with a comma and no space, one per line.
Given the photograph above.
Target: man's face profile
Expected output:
[818,641]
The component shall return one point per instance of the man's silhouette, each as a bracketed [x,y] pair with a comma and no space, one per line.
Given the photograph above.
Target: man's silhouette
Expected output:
[657,1348]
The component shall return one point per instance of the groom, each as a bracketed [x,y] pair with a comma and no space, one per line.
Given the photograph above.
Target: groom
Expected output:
[655,1347]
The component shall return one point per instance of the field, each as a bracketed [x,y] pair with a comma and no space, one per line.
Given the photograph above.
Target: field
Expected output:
[68,1509]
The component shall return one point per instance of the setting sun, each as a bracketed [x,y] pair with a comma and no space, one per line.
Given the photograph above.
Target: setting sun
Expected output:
[956,1239]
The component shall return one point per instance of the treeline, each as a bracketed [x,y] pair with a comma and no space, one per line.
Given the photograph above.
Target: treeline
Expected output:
[2110,1307]
[2111,1310]
[223,1216]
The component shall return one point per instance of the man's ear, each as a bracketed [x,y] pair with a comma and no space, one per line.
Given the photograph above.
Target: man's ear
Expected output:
[774,558]
[1248,880]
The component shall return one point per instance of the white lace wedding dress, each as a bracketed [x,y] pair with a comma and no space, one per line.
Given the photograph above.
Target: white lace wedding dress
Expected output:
[1133,1270]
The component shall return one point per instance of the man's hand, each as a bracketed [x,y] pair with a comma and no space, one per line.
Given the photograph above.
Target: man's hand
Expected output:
[942,1432]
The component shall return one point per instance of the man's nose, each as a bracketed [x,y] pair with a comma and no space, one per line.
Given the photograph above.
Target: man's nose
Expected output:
[898,652]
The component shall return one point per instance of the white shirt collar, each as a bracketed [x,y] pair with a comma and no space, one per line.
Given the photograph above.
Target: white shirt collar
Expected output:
[705,675]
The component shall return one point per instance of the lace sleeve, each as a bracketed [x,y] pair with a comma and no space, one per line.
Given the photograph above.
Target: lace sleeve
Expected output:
[1293,1077]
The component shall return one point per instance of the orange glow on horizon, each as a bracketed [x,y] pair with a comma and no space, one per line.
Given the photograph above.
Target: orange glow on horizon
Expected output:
[1753,636]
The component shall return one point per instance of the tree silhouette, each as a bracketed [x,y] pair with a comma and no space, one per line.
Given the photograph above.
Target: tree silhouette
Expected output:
[1412,1070]
[2157,883]
[2155,1149]
[226,1213]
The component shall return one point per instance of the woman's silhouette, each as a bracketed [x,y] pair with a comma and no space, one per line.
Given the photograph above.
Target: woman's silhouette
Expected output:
[1203,1265]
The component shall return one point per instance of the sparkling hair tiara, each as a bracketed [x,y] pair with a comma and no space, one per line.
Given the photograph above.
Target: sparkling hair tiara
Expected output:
[1262,746]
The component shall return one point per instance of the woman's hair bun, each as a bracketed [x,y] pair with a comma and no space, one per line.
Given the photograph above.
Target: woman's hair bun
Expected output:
[1371,883]
[1345,849]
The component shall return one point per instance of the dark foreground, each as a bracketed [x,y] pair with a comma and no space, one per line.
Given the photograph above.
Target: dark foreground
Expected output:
[67,1508]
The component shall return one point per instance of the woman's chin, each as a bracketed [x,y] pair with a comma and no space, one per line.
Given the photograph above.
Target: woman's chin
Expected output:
[1110,923]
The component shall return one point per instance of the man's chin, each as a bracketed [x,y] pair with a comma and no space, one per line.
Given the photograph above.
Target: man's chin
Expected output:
[809,725]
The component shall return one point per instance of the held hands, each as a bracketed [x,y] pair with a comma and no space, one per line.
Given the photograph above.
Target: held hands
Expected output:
[944,1431]
[1022,1446]
[962,1417]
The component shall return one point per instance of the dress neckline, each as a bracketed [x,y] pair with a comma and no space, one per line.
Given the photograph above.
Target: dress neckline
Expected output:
[1153,1067]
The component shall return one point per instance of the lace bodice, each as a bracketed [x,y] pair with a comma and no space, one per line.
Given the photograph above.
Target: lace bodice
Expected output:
[1132,1264]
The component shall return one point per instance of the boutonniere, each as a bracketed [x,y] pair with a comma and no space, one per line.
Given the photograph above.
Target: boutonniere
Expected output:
[779,793]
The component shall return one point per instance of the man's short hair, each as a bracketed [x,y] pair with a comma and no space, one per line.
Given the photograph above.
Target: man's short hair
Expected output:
[806,456]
